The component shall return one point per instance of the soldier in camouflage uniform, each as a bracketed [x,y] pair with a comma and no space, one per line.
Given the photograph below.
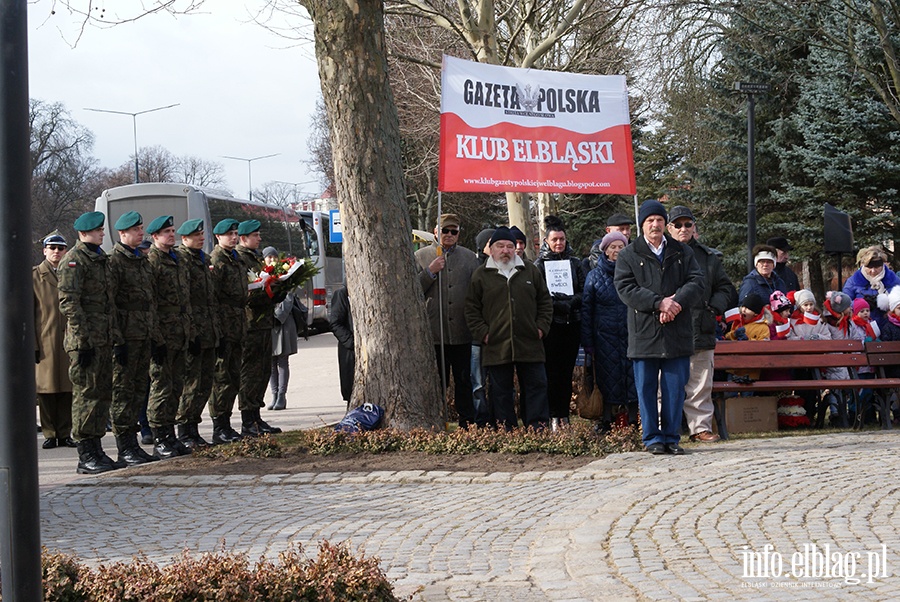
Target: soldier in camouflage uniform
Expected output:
[172,290]
[131,283]
[201,357]
[230,286]
[86,300]
[256,355]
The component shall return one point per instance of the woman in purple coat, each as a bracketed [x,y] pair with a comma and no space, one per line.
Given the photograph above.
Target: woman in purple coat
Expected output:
[873,280]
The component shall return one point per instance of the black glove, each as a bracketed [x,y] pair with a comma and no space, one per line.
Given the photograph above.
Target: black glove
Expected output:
[194,346]
[158,352]
[120,353]
[86,356]
[222,349]
[37,356]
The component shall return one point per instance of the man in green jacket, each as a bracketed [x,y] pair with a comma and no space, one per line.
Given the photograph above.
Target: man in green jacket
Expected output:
[508,310]
[86,300]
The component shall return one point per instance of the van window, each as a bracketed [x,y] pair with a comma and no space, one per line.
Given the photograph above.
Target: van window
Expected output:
[272,226]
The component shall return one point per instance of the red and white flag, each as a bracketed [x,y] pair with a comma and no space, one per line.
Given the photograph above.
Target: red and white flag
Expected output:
[527,130]
[733,316]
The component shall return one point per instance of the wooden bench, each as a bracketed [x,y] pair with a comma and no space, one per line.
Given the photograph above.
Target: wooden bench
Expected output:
[814,356]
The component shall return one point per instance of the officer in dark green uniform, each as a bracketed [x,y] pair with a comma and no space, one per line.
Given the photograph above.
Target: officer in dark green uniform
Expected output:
[172,291]
[201,356]
[256,355]
[86,300]
[230,285]
[131,283]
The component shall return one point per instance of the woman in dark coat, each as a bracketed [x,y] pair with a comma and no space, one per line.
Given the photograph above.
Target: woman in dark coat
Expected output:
[562,342]
[762,280]
[604,333]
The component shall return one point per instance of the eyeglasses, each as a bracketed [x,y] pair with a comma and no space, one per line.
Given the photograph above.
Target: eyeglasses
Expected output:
[683,225]
[452,231]
[56,247]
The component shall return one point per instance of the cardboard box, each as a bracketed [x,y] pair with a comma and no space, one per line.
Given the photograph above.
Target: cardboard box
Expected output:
[751,414]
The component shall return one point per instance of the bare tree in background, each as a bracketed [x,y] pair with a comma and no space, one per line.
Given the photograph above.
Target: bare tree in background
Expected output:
[62,167]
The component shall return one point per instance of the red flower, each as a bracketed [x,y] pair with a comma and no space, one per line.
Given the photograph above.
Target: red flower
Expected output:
[268,269]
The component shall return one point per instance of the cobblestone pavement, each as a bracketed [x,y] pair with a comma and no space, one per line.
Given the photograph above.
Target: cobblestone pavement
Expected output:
[627,527]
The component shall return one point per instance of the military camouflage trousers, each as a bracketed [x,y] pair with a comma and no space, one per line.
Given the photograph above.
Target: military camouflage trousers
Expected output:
[226,380]
[91,394]
[198,383]
[129,387]
[256,367]
[166,385]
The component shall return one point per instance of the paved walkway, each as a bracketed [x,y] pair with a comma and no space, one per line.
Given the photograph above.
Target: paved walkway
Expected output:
[627,527]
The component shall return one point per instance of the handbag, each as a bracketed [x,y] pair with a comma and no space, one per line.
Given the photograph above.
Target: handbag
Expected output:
[300,314]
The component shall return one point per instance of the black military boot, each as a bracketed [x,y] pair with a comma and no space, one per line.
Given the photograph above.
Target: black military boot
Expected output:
[130,452]
[164,446]
[91,459]
[264,427]
[249,426]
[195,435]
[183,450]
[222,431]
[190,437]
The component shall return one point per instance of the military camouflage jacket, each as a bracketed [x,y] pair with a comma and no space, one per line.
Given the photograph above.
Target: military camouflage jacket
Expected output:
[172,291]
[131,282]
[86,299]
[204,314]
[230,285]
[260,307]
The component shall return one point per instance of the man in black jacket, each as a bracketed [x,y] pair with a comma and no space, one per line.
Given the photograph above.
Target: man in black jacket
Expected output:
[718,295]
[659,280]
[782,246]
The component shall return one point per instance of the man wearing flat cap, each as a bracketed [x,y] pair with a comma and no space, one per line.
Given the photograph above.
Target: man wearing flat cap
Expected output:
[620,223]
[789,276]
[256,354]
[171,288]
[230,288]
[53,385]
[659,280]
[718,296]
[200,361]
[86,300]
[445,269]
[508,310]
[131,281]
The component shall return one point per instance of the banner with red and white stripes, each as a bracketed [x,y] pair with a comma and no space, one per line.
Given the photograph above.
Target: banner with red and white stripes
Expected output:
[527,130]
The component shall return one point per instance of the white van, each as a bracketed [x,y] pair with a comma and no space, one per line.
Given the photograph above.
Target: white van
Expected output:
[301,234]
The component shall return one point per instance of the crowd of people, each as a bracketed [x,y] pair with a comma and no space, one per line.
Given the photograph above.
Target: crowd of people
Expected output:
[162,328]
[647,312]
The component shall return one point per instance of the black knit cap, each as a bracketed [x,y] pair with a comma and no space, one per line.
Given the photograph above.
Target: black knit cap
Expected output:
[503,233]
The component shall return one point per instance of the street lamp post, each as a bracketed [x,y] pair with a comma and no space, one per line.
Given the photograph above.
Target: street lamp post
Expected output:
[249,172]
[295,184]
[750,89]
[137,177]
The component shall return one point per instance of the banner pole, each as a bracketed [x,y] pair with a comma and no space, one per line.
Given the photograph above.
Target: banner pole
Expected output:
[443,366]
[636,210]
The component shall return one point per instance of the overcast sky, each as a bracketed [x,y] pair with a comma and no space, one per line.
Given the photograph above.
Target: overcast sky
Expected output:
[243,90]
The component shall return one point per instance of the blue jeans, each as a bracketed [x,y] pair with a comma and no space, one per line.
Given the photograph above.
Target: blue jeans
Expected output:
[667,376]
[479,395]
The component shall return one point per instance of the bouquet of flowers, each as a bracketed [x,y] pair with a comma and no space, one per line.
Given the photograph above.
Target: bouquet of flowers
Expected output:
[286,274]
[791,413]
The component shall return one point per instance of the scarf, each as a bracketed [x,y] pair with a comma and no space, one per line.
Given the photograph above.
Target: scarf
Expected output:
[876,281]
[894,319]
[780,326]
[867,326]
[809,318]
[841,321]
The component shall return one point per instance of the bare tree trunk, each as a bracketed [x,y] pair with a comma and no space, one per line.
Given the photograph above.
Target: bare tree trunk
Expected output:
[547,205]
[394,352]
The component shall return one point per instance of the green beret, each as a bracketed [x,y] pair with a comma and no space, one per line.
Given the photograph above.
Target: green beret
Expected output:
[190,226]
[129,220]
[89,221]
[248,227]
[226,225]
[163,221]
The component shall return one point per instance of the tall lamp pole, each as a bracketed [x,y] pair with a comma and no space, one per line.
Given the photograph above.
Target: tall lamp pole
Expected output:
[137,177]
[249,172]
[750,89]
